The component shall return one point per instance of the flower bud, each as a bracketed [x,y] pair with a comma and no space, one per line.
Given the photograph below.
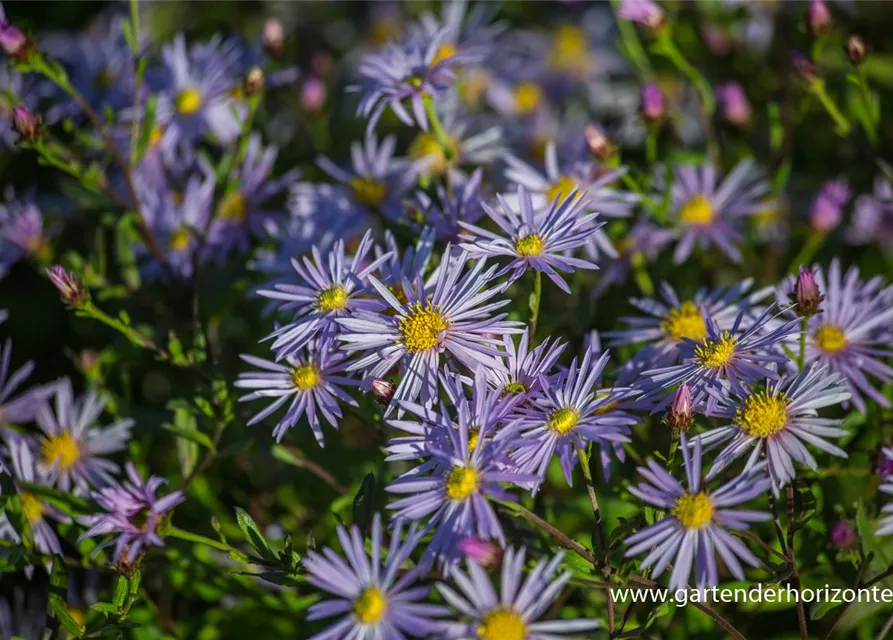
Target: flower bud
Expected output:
[806,295]
[736,107]
[827,207]
[485,553]
[804,66]
[652,103]
[599,143]
[818,18]
[273,37]
[644,12]
[383,390]
[842,535]
[313,94]
[856,50]
[681,411]
[15,43]
[254,81]
[27,124]
[71,290]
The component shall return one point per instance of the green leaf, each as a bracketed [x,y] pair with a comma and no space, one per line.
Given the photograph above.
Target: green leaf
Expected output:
[819,609]
[60,608]
[106,607]
[362,503]
[253,535]
[194,435]
[121,590]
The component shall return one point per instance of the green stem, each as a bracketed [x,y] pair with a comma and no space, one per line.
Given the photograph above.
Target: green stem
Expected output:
[667,48]
[871,120]
[440,134]
[593,500]
[801,358]
[188,536]
[92,311]
[818,89]
[651,144]
[140,68]
[631,43]
[535,298]
[807,252]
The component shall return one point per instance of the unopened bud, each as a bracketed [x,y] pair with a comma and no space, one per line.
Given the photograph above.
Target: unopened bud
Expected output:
[600,144]
[736,107]
[483,552]
[274,37]
[27,124]
[804,66]
[383,390]
[681,411]
[818,18]
[856,50]
[827,207]
[806,295]
[842,535]
[254,81]
[15,43]
[71,290]
[652,103]
[644,12]
[313,94]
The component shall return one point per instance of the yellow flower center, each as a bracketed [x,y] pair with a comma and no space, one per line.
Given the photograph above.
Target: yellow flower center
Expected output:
[529,246]
[332,299]
[562,188]
[306,377]
[570,48]
[830,339]
[528,96]
[697,211]
[421,329]
[371,606]
[473,84]
[763,415]
[32,506]
[189,101]
[474,436]
[444,52]
[368,191]
[426,146]
[685,322]
[155,136]
[463,481]
[62,448]
[563,420]
[502,624]
[515,387]
[694,511]
[716,353]
[180,239]
[232,207]
[177,197]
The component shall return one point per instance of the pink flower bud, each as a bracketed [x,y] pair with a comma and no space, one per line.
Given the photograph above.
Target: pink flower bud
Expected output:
[27,124]
[15,43]
[736,107]
[644,12]
[827,208]
[842,535]
[72,291]
[313,94]
[856,50]
[806,295]
[681,411]
[383,390]
[483,552]
[652,103]
[818,18]
[273,37]
[600,144]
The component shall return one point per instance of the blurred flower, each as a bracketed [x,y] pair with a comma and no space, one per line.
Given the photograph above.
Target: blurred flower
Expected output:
[70,288]
[446,213]
[482,552]
[471,35]
[644,12]
[375,599]
[804,66]
[736,107]
[818,18]
[254,81]
[842,535]
[27,124]
[273,37]
[872,220]
[681,411]
[827,207]
[511,615]
[640,246]
[805,294]
[72,443]
[653,109]
[22,232]
[134,512]
[21,408]
[697,521]
[599,143]
[886,522]
[856,50]
[884,463]
[15,43]
[313,94]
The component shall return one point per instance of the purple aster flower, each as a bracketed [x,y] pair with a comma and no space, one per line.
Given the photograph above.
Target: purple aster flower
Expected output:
[570,413]
[728,358]
[309,380]
[396,270]
[375,599]
[581,175]
[526,369]
[376,180]
[455,318]
[469,34]
[697,523]
[640,246]
[134,512]
[886,523]
[872,221]
[73,445]
[827,207]
[643,12]
[652,101]
[781,418]
[670,319]
[851,333]
[707,213]
[21,408]
[446,213]
[195,92]
[539,241]
[22,232]
[408,71]
[735,105]
[37,512]
[242,208]
[451,489]
[323,295]
[513,613]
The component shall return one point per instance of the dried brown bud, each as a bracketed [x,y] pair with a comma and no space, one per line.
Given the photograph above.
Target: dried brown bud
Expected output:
[856,50]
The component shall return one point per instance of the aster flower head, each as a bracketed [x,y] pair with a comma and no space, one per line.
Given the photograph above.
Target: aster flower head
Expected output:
[16,405]
[708,213]
[886,523]
[134,512]
[468,34]
[526,369]
[781,418]
[22,232]
[728,359]
[403,72]
[324,295]
[538,241]
[455,318]
[644,12]
[872,219]
[452,488]
[570,413]
[376,180]
[640,246]
[736,107]
[371,594]
[73,445]
[448,211]
[697,523]
[407,265]
[308,379]
[828,204]
[513,613]
[70,288]
[851,333]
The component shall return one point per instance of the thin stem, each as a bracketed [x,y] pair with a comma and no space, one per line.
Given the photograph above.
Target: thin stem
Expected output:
[593,499]
[747,535]
[440,134]
[725,624]
[818,89]
[139,68]
[559,535]
[535,299]
[188,536]
[870,121]
[801,357]
[886,628]
[667,48]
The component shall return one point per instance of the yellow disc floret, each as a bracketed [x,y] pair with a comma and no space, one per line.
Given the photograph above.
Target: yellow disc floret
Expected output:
[562,188]
[368,191]
[233,207]
[444,52]
[529,246]
[763,415]
[570,49]
[830,339]
[189,101]
[716,353]
[563,420]
[31,506]
[694,510]
[62,449]
[528,96]
[697,211]
[516,387]
[685,322]
[461,483]
[306,377]
[371,606]
[502,624]
[332,299]
[422,328]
